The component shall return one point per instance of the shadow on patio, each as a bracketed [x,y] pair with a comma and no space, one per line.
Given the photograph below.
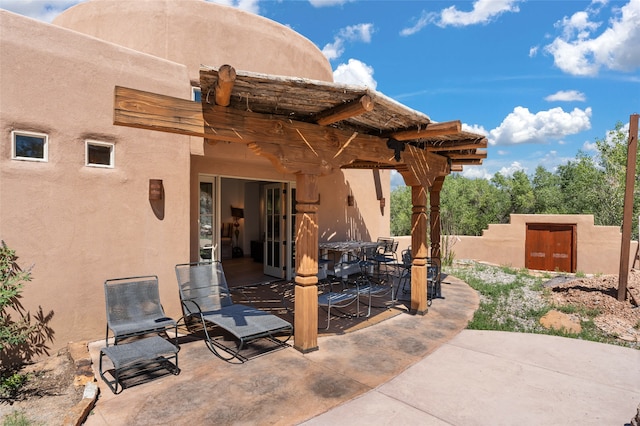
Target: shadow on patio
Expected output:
[287,387]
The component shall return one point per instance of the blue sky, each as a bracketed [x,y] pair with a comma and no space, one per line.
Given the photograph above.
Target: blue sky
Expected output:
[541,79]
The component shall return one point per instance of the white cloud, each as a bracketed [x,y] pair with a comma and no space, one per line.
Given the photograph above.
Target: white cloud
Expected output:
[589,146]
[474,128]
[522,126]
[533,51]
[475,172]
[512,168]
[351,33]
[578,51]
[484,11]
[246,5]
[38,9]
[423,21]
[355,72]
[566,96]
[502,152]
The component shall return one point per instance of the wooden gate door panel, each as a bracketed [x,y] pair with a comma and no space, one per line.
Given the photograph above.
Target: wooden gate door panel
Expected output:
[550,247]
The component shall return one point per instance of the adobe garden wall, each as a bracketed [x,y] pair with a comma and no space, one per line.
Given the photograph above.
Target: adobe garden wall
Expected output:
[598,247]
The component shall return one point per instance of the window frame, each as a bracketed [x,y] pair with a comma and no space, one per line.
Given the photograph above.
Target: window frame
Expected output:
[112,153]
[45,148]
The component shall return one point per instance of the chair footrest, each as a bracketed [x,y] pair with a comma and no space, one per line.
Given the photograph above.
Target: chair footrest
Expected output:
[137,354]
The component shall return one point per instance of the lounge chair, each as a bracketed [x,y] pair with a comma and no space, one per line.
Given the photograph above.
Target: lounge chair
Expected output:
[134,309]
[133,313]
[207,305]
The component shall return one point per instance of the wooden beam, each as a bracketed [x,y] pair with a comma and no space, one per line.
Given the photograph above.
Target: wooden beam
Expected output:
[145,110]
[345,111]
[456,146]
[456,167]
[468,162]
[224,85]
[463,156]
[432,130]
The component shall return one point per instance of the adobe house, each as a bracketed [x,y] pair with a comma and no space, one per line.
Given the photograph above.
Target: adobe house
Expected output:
[88,192]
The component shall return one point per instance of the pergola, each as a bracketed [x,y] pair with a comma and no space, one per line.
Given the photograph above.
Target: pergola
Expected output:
[310,128]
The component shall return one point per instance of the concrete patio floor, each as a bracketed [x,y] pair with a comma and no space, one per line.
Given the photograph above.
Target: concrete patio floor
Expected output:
[404,370]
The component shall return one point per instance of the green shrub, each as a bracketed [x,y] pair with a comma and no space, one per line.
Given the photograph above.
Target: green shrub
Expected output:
[22,336]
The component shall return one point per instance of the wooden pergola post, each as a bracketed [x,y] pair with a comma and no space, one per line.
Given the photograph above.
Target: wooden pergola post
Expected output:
[434,218]
[419,250]
[306,291]
[632,152]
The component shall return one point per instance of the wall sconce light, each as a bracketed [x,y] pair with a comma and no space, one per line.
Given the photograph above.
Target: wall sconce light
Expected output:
[155,189]
[350,200]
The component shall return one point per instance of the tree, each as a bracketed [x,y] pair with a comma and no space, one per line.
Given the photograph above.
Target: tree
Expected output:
[401,211]
[471,204]
[547,192]
[518,190]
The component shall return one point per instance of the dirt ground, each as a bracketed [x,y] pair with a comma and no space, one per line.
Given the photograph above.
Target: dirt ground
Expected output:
[618,319]
[50,393]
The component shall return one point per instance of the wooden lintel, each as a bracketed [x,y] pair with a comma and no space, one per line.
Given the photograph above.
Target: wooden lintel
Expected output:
[456,146]
[470,156]
[344,111]
[145,110]
[432,130]
[224,85]
[456,167]
[468,162]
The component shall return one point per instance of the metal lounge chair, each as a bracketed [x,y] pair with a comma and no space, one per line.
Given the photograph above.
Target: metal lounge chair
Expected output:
[133,313]
[134,309]
[207,305]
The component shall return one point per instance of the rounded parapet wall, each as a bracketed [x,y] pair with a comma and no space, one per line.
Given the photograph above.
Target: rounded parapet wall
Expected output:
[195,32]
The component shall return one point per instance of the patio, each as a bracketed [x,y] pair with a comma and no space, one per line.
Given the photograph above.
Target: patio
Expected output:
[286,386]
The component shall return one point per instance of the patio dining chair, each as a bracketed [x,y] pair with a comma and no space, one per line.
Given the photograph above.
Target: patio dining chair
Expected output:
[208,308]
[385,256]
[434,276]
[336,294]
[370,285]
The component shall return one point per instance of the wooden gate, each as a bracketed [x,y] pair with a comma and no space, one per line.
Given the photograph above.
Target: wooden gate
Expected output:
[551,247]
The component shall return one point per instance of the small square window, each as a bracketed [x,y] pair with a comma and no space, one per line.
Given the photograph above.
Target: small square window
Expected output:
[29,146]
[99,154]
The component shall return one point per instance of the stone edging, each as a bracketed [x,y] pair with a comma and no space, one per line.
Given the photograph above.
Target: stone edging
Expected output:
[79,353]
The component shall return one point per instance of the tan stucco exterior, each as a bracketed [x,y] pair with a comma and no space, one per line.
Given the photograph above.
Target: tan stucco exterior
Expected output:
[598,247]
[80,225]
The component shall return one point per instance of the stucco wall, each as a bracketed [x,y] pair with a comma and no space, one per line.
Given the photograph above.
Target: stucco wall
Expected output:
[598,247]
[80,225]
[195,32]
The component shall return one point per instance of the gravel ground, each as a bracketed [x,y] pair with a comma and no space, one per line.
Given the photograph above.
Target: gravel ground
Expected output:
[591,298]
